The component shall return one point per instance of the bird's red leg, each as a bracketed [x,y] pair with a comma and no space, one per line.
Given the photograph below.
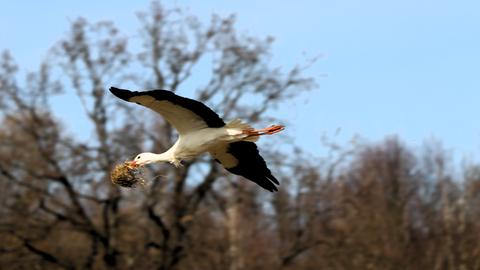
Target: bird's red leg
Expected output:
[264,131]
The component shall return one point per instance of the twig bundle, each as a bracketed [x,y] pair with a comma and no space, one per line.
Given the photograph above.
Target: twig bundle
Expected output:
[126,175]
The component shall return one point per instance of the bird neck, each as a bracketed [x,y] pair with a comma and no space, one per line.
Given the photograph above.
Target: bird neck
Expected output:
[166,156]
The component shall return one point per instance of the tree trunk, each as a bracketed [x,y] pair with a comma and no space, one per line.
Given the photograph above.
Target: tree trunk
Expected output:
[234,232]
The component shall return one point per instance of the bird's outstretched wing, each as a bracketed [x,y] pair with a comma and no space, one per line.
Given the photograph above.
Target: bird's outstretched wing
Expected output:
[242,158]
[183,113]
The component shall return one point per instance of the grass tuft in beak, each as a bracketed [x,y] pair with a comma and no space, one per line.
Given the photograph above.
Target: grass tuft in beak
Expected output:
[127,175]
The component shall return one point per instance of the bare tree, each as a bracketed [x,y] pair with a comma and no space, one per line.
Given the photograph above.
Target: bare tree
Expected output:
[368,206]
[73,196]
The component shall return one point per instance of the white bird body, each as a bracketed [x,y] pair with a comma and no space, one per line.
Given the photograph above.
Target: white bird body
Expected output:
[195,142]
[202,130]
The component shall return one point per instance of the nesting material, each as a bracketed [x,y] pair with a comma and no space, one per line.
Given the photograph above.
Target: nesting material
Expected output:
[126,175]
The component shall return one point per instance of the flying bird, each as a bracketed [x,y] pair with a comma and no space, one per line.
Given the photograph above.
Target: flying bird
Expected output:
[201,130]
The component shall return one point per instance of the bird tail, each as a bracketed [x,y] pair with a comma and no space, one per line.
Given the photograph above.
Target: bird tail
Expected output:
[238,127]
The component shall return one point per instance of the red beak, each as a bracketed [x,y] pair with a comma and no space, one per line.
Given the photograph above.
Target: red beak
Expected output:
[132,163]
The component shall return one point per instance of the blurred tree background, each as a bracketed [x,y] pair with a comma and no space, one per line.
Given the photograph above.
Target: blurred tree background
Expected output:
[364,206]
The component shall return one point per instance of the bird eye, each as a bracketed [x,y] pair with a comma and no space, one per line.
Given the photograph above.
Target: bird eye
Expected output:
[138,157]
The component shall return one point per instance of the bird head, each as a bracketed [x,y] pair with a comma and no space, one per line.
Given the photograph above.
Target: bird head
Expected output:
[143,159]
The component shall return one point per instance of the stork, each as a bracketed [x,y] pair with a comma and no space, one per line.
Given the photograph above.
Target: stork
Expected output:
[201,130]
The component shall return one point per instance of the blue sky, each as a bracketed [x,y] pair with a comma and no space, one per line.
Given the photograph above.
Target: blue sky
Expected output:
[406,67]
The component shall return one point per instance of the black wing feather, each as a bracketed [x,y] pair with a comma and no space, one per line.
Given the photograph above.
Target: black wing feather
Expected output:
[251,165]
[201,110]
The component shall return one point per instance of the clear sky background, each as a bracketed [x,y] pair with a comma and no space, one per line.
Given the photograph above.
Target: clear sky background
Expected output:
[409,67]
